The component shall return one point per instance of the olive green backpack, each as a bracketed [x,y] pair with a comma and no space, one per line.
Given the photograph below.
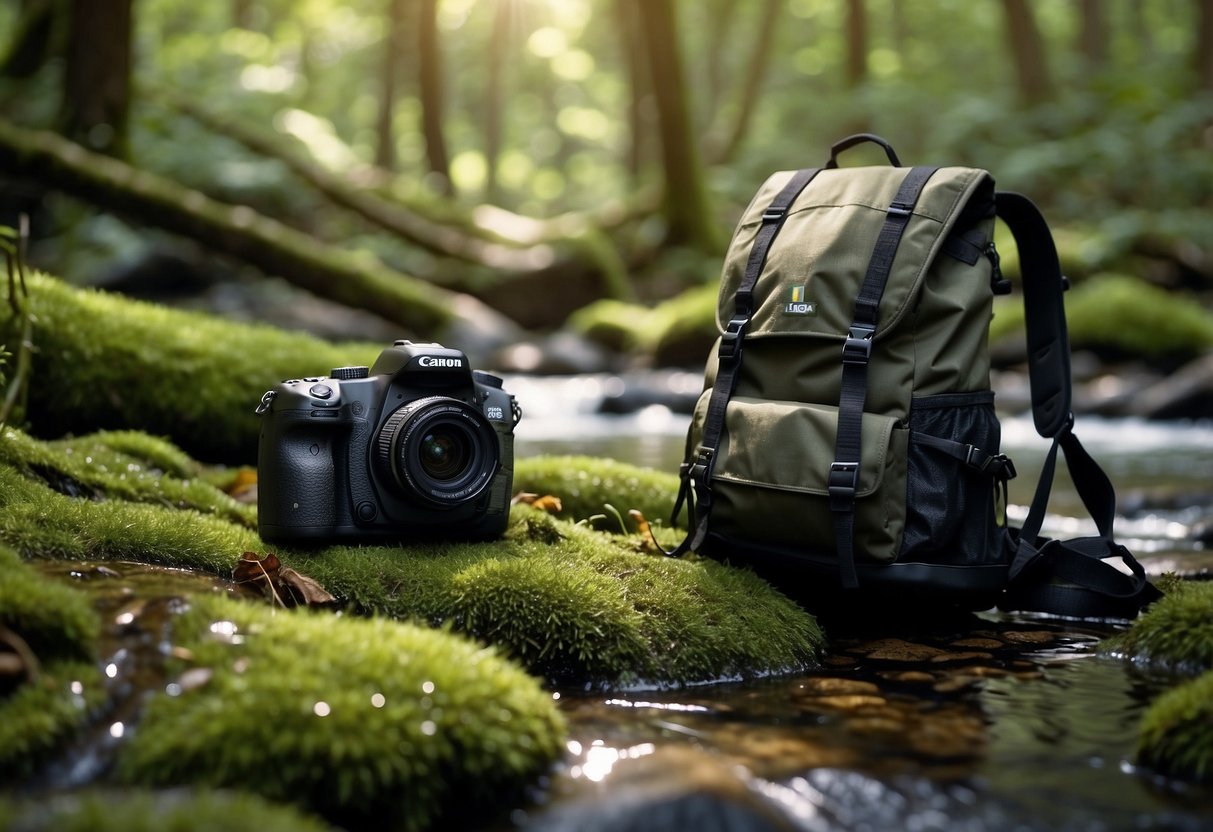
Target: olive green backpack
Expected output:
[846,438]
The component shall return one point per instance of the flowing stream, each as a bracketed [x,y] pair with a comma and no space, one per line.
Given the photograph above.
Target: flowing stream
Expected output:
[992,721]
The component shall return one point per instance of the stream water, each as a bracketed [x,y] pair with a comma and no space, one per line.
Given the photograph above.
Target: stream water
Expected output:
[988,721]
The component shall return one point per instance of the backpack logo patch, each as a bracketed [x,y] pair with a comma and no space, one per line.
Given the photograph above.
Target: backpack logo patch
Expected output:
[798,305]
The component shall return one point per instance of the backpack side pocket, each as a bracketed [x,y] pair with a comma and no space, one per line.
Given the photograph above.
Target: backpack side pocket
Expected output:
[950,503]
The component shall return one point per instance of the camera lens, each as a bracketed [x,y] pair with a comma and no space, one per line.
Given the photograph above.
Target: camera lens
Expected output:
[444,453]
[439,451]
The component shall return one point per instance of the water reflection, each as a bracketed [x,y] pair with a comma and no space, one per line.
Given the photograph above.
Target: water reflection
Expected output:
[1010,723]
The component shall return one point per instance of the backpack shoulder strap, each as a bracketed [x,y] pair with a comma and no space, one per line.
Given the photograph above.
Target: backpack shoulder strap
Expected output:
[697,471]
[1063,577]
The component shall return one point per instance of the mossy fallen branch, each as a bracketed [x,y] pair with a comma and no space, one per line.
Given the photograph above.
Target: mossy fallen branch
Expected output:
[357,279]
[104,361]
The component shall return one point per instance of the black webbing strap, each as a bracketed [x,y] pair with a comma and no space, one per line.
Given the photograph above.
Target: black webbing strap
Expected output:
[697,472]
[1044,312]
[1065,577]
[856,352]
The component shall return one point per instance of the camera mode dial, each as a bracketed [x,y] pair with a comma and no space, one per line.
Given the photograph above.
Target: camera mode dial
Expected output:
[343,373]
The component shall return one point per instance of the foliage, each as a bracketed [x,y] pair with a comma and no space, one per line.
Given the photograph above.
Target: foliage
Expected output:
[1176,733]
[1174,632]
[362,720]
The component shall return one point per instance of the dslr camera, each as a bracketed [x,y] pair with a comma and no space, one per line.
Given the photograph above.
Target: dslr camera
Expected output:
[419,445]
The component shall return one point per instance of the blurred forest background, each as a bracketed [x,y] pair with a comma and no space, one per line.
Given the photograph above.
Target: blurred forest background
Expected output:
[515,163]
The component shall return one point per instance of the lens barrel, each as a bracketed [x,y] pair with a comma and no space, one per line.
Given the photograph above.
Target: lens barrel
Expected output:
[439,451]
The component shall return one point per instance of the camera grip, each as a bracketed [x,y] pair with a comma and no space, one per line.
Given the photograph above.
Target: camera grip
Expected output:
[296,497]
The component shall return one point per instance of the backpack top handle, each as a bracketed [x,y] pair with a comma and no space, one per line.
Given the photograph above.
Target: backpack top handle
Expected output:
[860,138]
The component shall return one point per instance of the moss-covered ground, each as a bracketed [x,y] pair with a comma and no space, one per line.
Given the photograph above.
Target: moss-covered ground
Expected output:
[52,630]
[146,811]
[365,721]
[573,604]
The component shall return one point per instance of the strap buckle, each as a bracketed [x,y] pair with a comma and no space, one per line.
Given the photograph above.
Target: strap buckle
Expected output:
[999,465]
[697,471]
[730,339]
[858,346]
[842,485]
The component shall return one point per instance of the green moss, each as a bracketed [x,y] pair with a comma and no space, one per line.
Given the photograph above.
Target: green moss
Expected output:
[43,713]
[586,486]
[1176,735]
[1124,313]
[55,621]
[359,719]
[121,465]
[103,361]
[661,330]
[1176,631]
[141,811]
[572,604]
[54,699]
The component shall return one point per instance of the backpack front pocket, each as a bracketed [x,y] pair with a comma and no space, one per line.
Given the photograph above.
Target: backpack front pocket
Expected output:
[770,485]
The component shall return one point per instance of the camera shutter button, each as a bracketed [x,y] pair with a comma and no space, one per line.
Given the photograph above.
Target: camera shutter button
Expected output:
[342,373]
[321,391]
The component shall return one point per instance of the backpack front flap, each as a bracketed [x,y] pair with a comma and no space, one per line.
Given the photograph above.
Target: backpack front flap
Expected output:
[770,476]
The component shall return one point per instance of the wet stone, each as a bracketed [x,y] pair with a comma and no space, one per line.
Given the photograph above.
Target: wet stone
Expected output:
[897,650]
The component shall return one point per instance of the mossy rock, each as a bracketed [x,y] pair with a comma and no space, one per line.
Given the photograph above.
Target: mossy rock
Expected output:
[1175,632]
[1124,314]
[144,811]
[573,604]
[364,721]
[102,361]
[676,331]
[1176,734]
[62,684]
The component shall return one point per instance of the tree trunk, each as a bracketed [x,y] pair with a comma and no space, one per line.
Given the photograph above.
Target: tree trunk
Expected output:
[355,279]
[755,73]
[494,93]
[688,217]
[857,43]
[33,40]
[627,20]
[433,97]
[1027,53]
[393,47]
[1093,34]
[1204,45]
[242,14]
[97,77]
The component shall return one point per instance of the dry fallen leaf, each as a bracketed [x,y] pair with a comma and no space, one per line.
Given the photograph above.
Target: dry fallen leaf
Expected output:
[286,586]
[548,502]
[642,527]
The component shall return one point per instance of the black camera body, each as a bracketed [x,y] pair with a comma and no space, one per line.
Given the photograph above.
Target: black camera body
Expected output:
[417,446]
